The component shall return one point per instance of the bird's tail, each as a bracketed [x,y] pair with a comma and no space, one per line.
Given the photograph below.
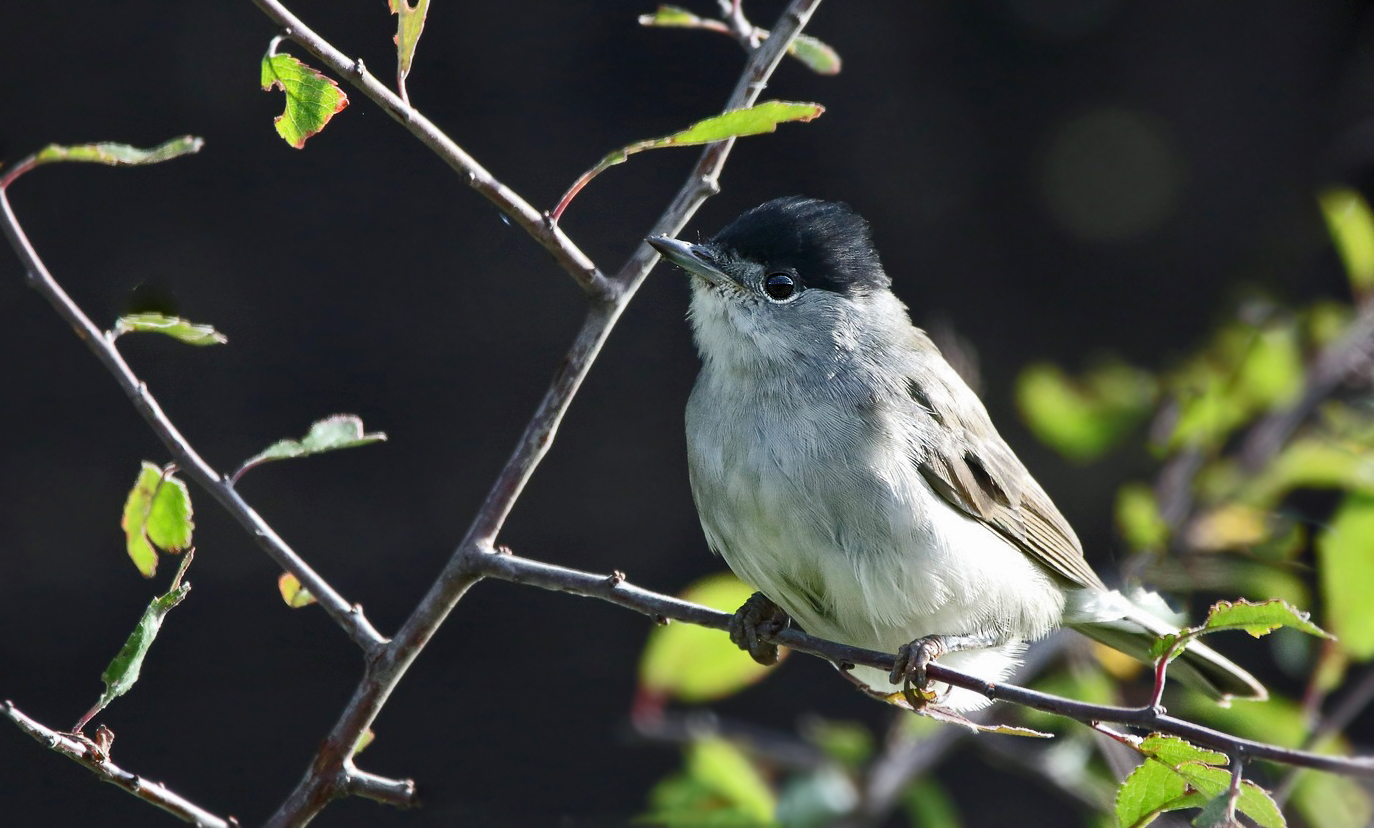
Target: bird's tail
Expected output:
[1132,624]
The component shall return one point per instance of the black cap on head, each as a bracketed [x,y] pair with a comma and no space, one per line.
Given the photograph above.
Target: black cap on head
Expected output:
[825,242]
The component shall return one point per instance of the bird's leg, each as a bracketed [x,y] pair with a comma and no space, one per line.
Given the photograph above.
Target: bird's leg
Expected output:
[909,669]
[757,618]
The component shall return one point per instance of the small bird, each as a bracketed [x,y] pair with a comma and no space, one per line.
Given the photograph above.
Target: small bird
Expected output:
[843,469]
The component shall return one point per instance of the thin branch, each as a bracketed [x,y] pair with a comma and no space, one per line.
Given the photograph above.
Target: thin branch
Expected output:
[321,783]
[547,234]
[1351,705]
[547,576]
[85,752]
[348,616]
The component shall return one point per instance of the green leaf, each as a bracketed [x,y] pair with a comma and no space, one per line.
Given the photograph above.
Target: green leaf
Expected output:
[1151,789]
[1345,567]
[1173,751]
[173,326]
[1326,800]
[1258,618]
[672,17]
[816,799]
[339,431]
[1351,225]
[929,805]
[818,56]
[753,120]
[1082,418]
[849,743]
[1138,518]
[364,740]
[695,664]
[295,595]
[410,22]
[1278,721]
[721,767]
[311,98]
[157,513]
[119,155]
[123,671]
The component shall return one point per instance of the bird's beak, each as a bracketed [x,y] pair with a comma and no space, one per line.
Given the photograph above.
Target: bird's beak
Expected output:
[696,259]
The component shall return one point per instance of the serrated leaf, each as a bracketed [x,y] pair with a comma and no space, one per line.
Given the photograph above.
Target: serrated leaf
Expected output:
[173,326]
[124,670]
[695,664]
[1351,225]
[295,595]
[1083,417]
[1256,803]
[311,98]
[753,120]
[339,431]
[1345,558]
[119,155]
[1259,618]
[1151,789]
[410,22]
[157,514]
[1173,751]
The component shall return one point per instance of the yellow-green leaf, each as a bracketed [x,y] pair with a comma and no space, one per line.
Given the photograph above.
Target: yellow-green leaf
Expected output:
[1259,618]
[119,155]
[311,98]
[295,595]
[173,326]
[410,22]
[1138,518]
[696,664]
[1345,559]
[338,431]
[727,771]
[1083,417]
[157,515]
[1351,225]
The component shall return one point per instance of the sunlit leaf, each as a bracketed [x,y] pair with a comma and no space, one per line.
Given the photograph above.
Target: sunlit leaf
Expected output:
[1229,526]
[173,326]
[673,17]
[753,120]
[410,22]
[364,740]
[1083,417]
[157,515]
[118,155]
[818,56]
[727,771]
[1174,751]
[1345,557]
[1151,789]
[696,664]
[311,98]
[1351,225]
[295,595]
[1326,800]
[1259,618]
[339,431]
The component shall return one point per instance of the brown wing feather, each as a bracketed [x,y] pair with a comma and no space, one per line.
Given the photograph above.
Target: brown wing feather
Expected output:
[970,466]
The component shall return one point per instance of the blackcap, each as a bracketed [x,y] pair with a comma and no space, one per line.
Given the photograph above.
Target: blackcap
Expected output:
[842,468]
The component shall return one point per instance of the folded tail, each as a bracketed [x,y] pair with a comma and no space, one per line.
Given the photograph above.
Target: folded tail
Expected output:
[1132,624]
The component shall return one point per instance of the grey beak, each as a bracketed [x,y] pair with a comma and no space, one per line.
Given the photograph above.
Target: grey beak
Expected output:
[693,258]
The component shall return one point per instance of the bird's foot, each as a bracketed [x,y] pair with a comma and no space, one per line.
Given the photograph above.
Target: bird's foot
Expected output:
[757,619]
[909,670]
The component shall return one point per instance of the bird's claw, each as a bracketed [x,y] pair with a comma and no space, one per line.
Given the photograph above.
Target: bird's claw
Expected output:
[757,619]
[909,668]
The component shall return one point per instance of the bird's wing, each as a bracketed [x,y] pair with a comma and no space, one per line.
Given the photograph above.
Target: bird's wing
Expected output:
[971,466]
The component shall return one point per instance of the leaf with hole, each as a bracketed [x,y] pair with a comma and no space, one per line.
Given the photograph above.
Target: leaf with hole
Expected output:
[180,329]
[311,98]
[410,22]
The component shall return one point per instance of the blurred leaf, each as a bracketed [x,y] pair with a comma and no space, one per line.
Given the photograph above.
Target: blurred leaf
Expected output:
[295,595]
[157,515]
[672,17]
[753,120]
[1082,418]
[1326,800]
[1310,462]
[1325,321]
[816,799]
[173,326]
[119,155]
[122,674]
[696,664]
[818,56]
[410,22]
[338,431]
[1271,374]
[311,98]
[1345,566]
[1229,526]
[849,743]
[928,805]
[1351,225]
[1084,685]
[1138,518]
[1278,721]
[364,740]
[723,768]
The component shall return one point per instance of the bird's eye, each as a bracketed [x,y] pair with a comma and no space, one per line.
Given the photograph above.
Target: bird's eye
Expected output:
[779,286]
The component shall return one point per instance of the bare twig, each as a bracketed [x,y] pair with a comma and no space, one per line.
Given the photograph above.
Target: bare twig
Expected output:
[547,576]
[85,752]
[321,783]
[550,237]
[1355,702]
[348,616]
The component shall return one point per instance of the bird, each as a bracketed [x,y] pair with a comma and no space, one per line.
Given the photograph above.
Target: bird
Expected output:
[845,471]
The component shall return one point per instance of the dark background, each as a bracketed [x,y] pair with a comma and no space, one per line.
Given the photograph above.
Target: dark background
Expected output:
[1053,178]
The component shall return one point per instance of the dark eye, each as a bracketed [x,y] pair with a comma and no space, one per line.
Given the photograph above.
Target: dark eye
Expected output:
[779,286]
